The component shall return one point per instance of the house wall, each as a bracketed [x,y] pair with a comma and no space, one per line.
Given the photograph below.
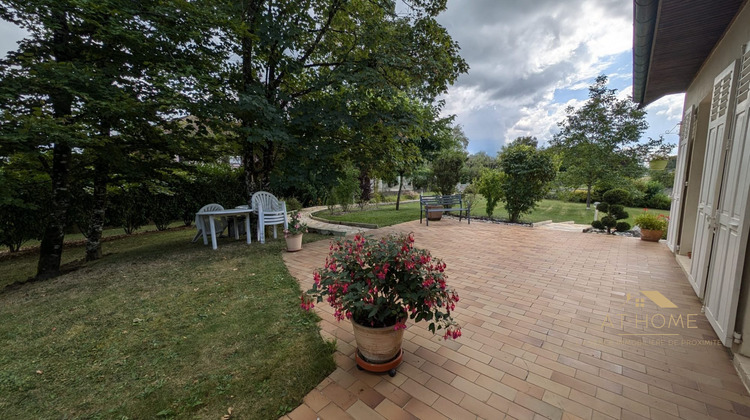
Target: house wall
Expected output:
[726,51]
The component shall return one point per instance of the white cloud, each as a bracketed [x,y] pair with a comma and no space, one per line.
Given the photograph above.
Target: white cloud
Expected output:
[520,53]
[669,107]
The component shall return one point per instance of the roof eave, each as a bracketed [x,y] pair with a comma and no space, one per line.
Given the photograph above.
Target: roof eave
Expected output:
[645,15]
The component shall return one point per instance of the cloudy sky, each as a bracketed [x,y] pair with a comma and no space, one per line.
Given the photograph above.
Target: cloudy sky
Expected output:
[529,60]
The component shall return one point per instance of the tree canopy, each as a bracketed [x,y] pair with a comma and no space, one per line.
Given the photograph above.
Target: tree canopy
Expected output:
[602,139]
[528,172]
[94,100]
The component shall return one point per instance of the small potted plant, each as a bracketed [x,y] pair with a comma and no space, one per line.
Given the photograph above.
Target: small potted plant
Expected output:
[652,225]
[378,284]
[293,233]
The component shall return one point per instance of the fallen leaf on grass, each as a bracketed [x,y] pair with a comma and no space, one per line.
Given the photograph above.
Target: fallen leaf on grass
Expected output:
[228,415]
[39,372]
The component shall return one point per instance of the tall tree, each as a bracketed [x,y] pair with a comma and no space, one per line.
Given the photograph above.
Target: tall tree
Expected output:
[87,72]
[600,140]
[298,52]
[528,172]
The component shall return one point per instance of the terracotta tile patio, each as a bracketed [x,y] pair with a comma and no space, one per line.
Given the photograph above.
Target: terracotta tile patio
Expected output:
[545,316]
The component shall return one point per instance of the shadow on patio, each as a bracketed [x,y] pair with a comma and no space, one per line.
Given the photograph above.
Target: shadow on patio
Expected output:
[554,326]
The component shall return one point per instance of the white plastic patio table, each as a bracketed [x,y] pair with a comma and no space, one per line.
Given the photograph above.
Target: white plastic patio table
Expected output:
[228,212]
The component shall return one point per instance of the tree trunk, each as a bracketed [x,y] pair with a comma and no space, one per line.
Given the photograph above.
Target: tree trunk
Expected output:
[248,164]
[250,161]
[588,197]
[364,185]
[50,250]
[400,186]
[96,225]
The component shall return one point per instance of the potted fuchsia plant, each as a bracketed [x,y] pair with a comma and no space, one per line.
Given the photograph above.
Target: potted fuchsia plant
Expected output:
[652,225]
[378,284]
[293,233]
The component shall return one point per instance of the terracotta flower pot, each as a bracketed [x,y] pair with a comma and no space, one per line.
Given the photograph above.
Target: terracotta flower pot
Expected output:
[294,242]
[378,345]
[651,235]
[434,215]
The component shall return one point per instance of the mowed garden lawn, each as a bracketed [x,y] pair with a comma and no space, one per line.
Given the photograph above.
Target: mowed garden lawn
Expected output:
[555,210]
[159,328]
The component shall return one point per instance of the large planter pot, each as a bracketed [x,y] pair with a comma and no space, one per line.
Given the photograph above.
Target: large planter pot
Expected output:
[658,164]
[378,349]
[651,235]
[434,215]
[294,242]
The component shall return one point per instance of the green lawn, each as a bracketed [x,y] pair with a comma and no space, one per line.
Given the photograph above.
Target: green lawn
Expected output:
[159,328]
[557,211]
[106,233]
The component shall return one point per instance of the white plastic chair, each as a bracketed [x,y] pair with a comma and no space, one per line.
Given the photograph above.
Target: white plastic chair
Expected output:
[202,223]
[270,211]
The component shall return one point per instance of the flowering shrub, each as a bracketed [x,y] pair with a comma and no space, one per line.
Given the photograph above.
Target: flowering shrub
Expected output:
[296,226]
[651,221]
[382,282]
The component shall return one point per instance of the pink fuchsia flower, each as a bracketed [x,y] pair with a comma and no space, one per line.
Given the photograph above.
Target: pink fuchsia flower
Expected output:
[400,325]
[307,303]
[451,332]
[316,278]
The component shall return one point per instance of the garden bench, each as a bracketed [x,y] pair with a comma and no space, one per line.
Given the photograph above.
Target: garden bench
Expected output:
[426,203]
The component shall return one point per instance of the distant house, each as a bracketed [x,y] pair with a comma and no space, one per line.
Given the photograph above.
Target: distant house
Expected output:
[701,48]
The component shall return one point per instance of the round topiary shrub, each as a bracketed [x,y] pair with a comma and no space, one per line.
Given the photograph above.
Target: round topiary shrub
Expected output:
[622,226]
[603,207]
[597,224]
[616,196]
[618,211]
[609,222]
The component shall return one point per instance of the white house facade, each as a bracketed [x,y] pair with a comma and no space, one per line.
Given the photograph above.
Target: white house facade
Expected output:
[702,48]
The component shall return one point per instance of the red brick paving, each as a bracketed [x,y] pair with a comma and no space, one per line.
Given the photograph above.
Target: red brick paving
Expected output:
[543,315]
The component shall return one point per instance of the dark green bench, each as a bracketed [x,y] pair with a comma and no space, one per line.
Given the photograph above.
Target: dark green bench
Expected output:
[447,202]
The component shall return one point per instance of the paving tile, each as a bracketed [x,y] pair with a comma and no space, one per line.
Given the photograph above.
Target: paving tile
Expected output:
[366,394]
[445,390]
[423,411]
[438,372]
[419,391]
[333,412]
[533,304]
[478,392]
[316,400]
[568,406]
[303,412]
[391,411]
[393,393]
[538,406]
[360,411]
[622,402]
[339,395]
[481,409]
[451,409]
